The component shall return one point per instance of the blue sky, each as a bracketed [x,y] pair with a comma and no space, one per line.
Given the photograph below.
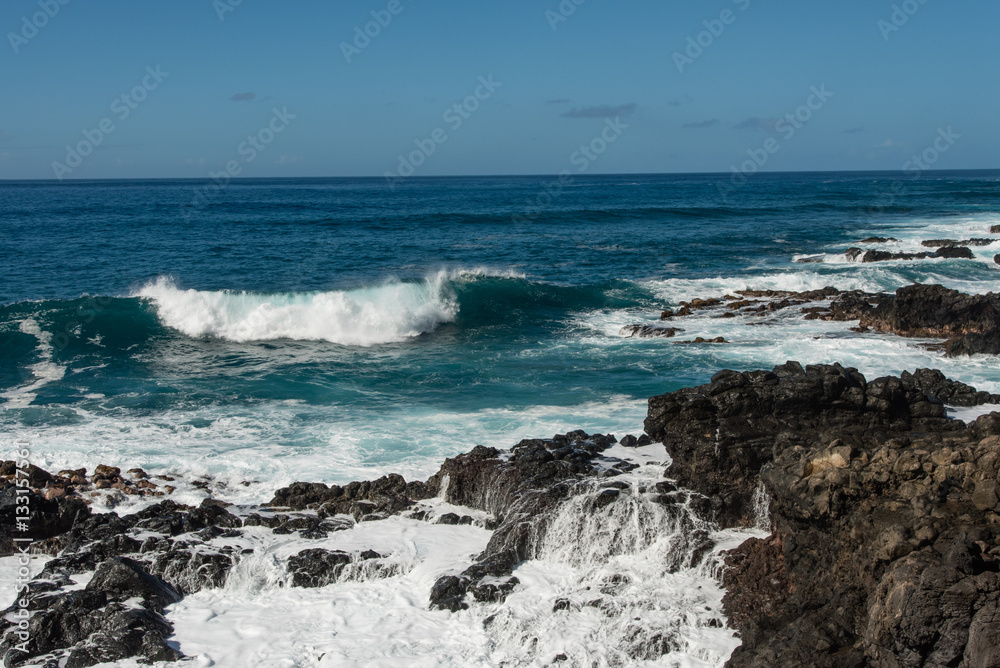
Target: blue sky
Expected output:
[560,81]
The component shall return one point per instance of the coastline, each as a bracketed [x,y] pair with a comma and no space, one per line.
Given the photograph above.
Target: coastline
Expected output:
[876,498]
[801,515]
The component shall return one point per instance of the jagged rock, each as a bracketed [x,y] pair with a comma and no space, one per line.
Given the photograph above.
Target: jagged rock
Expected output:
[936,386]
[962,252]
[938,243]
[387,495]
[648,331]
[101,623]
[317,567]
[49,517]
[885,548]
[970,322]
[877,240]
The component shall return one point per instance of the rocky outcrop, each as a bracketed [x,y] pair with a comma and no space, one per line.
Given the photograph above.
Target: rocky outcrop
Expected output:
[885,544]
[884,513]
[375,499]
[862,255]
[522,490]
[649,331]
[118,615]
[970,323]
[939,243]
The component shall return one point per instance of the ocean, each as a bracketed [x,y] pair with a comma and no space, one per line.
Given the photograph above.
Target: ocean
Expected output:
[338,329]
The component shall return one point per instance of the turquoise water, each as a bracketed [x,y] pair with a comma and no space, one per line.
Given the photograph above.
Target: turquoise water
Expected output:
[336,329]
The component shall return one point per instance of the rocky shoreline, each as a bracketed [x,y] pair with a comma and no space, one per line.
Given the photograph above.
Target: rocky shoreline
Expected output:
[884,547]
[965,324]
[880,515]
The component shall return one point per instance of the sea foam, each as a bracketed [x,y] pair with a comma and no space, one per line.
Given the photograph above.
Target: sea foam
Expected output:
[390,312]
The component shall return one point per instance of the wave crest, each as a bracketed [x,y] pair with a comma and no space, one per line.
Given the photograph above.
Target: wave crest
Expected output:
[387,313]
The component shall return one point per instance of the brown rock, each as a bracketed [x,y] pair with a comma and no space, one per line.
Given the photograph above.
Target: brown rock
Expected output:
[107,471]
[987,495]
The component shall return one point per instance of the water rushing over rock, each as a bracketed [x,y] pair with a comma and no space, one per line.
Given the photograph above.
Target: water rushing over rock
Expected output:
[851,522]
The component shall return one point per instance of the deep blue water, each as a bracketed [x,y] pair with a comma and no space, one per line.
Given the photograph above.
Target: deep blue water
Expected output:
[339,327]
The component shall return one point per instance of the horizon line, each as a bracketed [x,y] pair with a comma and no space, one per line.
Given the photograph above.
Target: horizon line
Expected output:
[70,181]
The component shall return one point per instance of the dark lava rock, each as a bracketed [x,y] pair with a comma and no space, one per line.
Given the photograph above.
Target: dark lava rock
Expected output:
[877,240]
[938,243]
[648,331]
[121,579]
[936,386]
[885,515]
[48,518]
[962,252]
[99,624]
[969,323]
[386,496]
[317,567]
[449,592]
[883,256]
[523,490]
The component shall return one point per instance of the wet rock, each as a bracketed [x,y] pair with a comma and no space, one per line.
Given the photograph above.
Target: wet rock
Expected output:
[883,551]
[387,495]
[877,240]
[648,331]
[51,515]
[102,623]
[971,323]
[448,593]
[939,243]
[955,252]
[937,387]
[317,567]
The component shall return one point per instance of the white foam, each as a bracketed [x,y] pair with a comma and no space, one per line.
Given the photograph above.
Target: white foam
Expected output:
[45,370]
[968,414]
[393,311]
[802,278]
[908,237]
[9,567]
[275,443]
[257,619]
